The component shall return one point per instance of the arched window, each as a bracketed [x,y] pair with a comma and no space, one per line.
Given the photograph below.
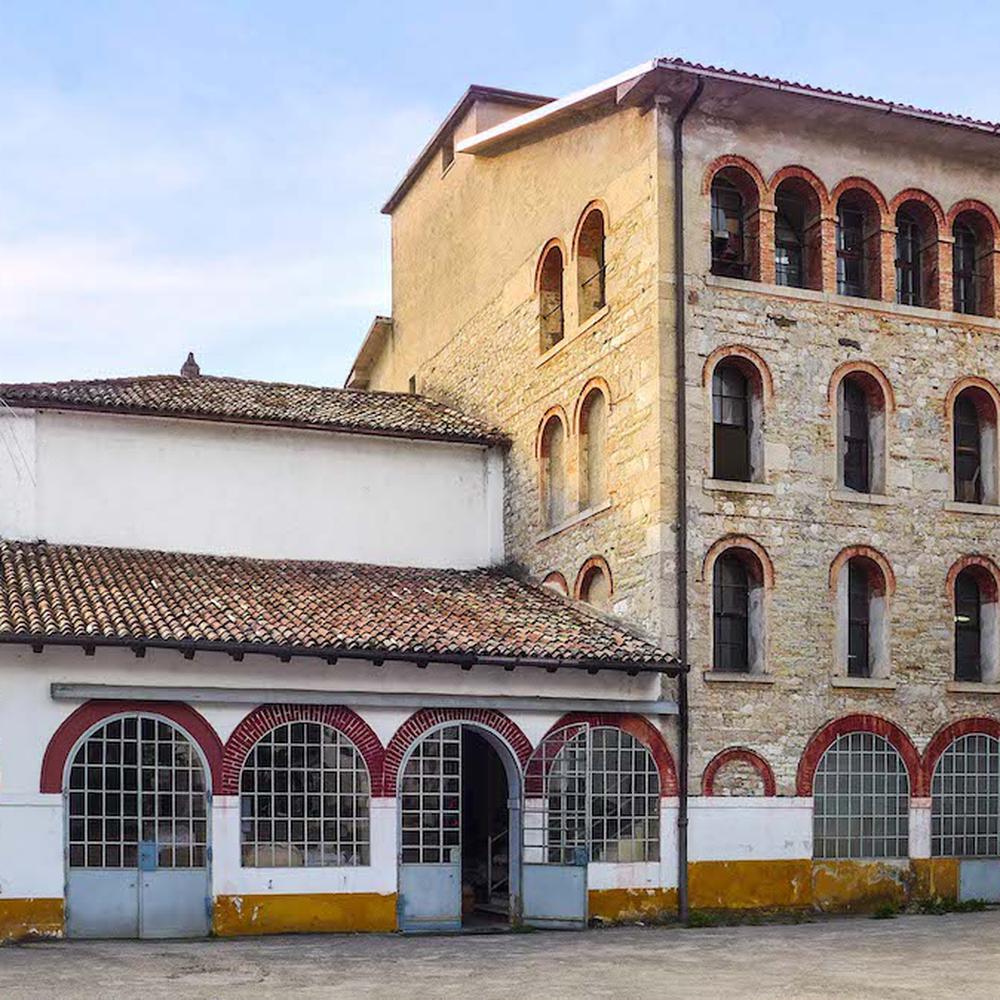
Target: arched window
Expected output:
[550,298]
[590,265]
[553,472]
[972,263]
[965,799]
[968,627]
[858,250]
[593,449]
[974,442]
[730,423]
[909,256]
[862,591]
[738,612]
[304,800]
[734,203]
[861,800]
[797,247]
[861,432]
[594,584]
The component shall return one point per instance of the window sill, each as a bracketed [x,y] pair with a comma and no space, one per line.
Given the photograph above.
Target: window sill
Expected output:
[593,320]
[986,509]
[737,486]
[971,687]
[732,677]
[864,499]
[552,351]
[865,683]
[577,518]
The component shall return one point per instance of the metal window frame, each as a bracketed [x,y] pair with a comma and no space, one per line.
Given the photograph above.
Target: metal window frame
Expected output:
[965,800]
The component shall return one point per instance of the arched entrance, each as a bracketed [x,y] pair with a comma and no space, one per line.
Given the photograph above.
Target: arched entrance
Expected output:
[137,812]
[459,799]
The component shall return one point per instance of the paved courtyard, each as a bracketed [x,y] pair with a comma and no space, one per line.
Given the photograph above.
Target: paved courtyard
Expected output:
[940,957]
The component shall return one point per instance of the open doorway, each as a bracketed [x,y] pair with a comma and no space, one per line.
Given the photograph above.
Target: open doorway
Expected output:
[486,886]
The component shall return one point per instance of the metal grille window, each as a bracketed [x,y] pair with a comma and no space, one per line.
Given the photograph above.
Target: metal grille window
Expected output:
[789,240]
[556,814]
[304,800]
[965,799]
[850,251]
[731,596]
[861,800]
[859,596]
[730,424]
[964,280]
[431,798]
[591,266]
[968,628]
[550,299]
[856,437]
[968,451]
[908,260]
[137,779]
[728,241]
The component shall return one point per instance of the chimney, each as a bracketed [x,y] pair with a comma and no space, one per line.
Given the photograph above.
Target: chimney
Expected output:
[190,367]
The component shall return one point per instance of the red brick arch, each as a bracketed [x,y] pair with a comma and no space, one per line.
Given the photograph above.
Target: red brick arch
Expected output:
[263,719]
[980,208]
[796,172]
[761,371]
[764,568]
[989,574]
[916,194]
[427,718]
[844,556]
[93,712]
[745,755]
[864,368]
[826,735]
[862,184]
[739,163]
[643,730]
[947,735]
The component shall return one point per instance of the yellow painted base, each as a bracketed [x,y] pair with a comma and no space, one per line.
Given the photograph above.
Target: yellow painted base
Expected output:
[22,918]
[630,905]
[303,913]
[750,885]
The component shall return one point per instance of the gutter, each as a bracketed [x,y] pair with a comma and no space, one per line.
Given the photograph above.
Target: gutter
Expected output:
[680,344]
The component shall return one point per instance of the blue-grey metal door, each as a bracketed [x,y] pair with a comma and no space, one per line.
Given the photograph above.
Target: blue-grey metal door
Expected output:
[979,878]
[430,843]
[137,807]
[555,819]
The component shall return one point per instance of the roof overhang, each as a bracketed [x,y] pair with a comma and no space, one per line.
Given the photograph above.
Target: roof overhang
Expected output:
[371,347]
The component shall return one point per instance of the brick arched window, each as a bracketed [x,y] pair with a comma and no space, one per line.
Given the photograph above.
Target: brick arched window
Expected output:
[591,264]
[557,582]
[594,584]
[859,214]
[738,389]
[862,583]
[798,250]
[738,771]
[551,315]
[741,574]
[973,584]
[593,439]
[552,470]
[862,397]
[974,228]
[974,442]
[917,265]
[735,189]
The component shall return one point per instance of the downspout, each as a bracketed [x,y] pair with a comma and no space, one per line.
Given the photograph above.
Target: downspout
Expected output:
[680,340]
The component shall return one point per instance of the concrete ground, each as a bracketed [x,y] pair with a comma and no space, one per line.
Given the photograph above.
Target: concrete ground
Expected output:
[913,957]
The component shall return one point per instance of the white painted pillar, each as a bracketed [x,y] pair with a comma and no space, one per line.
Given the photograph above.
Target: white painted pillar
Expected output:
[920,828]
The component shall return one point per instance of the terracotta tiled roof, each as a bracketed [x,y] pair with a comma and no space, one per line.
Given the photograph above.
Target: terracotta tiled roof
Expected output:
[133,597]
[210,397]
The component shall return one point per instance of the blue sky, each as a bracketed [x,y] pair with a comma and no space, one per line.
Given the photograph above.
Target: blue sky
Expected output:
[207,176]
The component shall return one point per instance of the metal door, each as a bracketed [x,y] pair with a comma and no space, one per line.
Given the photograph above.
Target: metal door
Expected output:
[430,846]
[556,828]
[137,808]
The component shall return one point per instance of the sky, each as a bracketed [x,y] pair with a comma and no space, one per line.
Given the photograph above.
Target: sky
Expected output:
[208,175]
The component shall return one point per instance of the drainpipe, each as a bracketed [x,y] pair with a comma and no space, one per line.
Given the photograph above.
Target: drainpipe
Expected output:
[682,534]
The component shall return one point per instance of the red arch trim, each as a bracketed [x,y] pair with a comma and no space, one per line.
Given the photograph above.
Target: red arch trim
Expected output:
[947,735]
[824,737]
[92,712]
[427,718]
[266,717]
[643,730]
[747,756]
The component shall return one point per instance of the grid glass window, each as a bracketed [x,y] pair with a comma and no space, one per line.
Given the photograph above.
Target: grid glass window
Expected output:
[555,821]
[908,260]
[856,430]
[137,779]
[968,628]
[861,800]
[850,251]
[728,242]
[730,424]
[968,451]
[964,269]
[431,798]
[789,240]
[965,799]
[731,595]
[304,800]
[859,596]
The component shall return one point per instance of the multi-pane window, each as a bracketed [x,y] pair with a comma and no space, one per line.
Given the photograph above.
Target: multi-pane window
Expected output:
[730,423]
[850,250]
[789,240]
[431,798]
[908,260]
[859,598]
[137,779]
[964,282]
[968,458]
[728,237]
[965,799]
[861,800]
[856,437]
[968,628]
[304,800]
[731,597]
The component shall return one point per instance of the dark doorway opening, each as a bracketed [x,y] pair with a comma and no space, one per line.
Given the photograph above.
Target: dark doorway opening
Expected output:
[485,833]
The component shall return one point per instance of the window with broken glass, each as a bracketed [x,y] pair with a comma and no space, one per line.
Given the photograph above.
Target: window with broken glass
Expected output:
[968,451]
[850,251]
[728,240]
[908,260]
[789,240]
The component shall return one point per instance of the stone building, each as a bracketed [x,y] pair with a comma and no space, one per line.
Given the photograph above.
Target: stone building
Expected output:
[739,332]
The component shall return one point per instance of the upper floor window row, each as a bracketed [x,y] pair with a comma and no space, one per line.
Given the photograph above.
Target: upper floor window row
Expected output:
[589,255]
[791,231]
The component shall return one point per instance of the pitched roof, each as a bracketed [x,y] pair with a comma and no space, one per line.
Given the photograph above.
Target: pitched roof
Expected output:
[87,595]
[208,397]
